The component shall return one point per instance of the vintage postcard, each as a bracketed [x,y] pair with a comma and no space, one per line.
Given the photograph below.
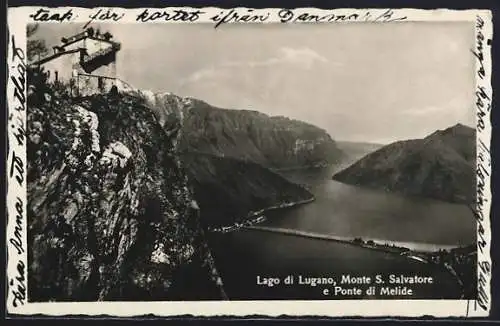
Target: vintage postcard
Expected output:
[249,162]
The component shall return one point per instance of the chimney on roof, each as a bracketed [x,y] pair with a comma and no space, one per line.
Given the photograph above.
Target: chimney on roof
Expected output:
[107,36]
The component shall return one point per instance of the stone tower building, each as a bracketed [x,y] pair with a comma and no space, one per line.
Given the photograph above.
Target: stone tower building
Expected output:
[85,61]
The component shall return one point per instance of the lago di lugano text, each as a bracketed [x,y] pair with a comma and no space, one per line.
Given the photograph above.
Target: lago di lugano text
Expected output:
[351,285]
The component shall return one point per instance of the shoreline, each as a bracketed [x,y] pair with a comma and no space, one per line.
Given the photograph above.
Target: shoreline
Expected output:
[424,257]
[256,217]
[302,167]
[393,247]
[343,240]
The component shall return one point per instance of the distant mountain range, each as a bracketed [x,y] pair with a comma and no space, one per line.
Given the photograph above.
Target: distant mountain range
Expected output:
[275,142]
[230,156]
[353,151]
[439,166]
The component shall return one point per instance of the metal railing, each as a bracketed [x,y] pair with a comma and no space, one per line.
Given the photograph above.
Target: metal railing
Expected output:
[113,48]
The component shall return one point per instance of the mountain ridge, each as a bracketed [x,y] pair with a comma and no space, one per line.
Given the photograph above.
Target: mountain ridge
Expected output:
[226,157]
[440,165]
[272,141]
[276,142]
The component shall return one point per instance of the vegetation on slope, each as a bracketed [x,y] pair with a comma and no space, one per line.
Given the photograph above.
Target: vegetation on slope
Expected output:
[440,166]
[111,216]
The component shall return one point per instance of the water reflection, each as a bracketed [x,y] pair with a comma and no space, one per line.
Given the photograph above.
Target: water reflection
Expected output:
[350,211]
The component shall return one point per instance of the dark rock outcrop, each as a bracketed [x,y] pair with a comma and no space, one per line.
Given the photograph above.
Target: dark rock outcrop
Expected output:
[229,191]
[440,166]
[111,215]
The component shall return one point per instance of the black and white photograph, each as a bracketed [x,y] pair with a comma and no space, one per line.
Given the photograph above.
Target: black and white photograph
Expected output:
[306,159]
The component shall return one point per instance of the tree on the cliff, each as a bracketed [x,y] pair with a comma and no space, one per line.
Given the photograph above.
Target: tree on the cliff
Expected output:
[35,47]
[37,79]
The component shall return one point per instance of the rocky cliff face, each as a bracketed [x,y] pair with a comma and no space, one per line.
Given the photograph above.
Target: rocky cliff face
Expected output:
[440,166]
[111,215]
[274,142]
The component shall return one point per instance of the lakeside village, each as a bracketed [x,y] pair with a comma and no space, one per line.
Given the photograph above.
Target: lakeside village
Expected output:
[238,225]
[256,217]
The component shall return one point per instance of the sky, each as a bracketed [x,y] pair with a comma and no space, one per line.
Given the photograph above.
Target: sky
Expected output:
[367,82]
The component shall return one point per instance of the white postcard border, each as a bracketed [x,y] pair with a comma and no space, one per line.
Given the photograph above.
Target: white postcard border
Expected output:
[17,301]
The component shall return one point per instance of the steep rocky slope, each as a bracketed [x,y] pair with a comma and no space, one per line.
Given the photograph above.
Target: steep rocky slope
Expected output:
[111,215]
[274,142]
[223,150]
[229,190]
[440,166]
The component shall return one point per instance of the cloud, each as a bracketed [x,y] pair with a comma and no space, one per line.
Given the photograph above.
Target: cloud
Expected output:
[303,56]
[298,57]
[200,75]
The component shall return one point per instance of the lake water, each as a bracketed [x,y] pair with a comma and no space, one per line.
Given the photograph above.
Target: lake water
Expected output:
[350,211]
[344,211]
